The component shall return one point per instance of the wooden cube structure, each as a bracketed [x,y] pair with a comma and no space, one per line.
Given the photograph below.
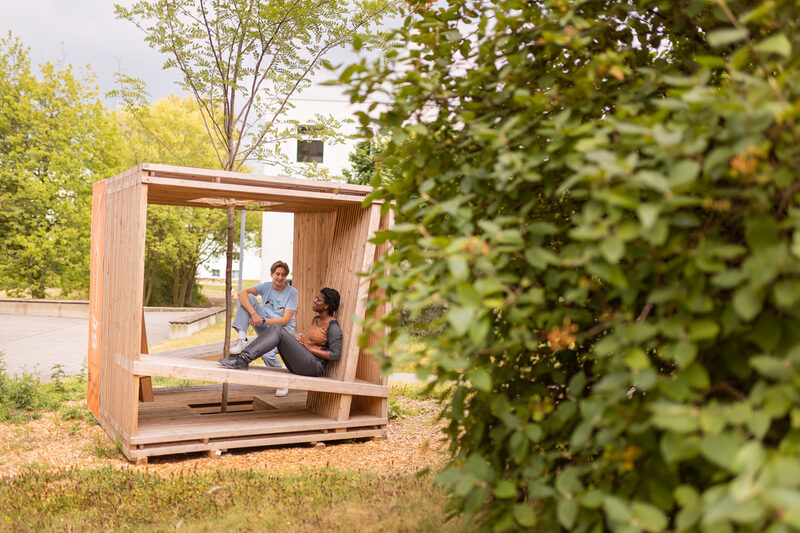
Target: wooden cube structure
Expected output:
[331,246]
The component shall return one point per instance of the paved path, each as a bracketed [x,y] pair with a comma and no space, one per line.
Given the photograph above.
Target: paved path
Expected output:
[36,343]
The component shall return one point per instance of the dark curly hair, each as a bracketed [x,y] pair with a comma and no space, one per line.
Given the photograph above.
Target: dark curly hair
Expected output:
[331,298]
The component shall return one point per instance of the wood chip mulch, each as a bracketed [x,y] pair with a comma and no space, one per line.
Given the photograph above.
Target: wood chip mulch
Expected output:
[413,444]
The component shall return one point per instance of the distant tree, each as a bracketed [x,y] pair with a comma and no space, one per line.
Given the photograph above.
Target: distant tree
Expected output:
[56,139]
[365,163]
[243,62]
[179,239]
[604,197]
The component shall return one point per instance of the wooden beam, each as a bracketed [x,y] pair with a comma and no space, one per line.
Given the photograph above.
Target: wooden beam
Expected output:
[174,367]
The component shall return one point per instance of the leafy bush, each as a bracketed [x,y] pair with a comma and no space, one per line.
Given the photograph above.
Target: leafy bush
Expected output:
[604,198]
[23,396]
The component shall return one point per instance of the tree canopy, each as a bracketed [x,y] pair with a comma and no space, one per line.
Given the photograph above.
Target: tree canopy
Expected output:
[55,141]
[603,196]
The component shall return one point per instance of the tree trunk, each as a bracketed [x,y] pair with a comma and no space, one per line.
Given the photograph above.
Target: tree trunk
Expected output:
[228,302]
[192,273]
[150,270]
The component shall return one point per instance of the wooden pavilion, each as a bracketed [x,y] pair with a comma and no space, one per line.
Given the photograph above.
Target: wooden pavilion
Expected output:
[331,245]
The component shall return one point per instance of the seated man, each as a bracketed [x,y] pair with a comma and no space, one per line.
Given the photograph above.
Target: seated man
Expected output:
[278,306]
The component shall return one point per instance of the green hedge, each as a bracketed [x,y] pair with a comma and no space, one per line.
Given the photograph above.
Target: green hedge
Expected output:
[604,198]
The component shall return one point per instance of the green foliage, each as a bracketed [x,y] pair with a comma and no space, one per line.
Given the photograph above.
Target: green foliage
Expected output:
[55,140]
[396,409]
[178,239]
[604,198]
[366,163]
[23,396]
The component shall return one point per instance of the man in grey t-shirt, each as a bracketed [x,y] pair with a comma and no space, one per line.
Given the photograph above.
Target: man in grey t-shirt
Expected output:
[278,306]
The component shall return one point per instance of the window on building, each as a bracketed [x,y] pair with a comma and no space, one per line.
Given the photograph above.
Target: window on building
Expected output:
[309,149]
[215,273]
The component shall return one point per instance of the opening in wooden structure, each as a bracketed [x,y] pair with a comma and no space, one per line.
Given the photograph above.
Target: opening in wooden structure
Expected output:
[331,246]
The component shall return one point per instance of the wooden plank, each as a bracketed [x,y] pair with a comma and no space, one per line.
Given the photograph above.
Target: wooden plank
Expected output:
[249,442]
[145,383]
[223,176]
[123,279]
[260,422]
[369,369]
[313,242]
[159,186]
[174,367]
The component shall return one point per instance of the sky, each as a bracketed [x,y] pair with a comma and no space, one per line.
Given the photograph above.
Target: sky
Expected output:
[81,32]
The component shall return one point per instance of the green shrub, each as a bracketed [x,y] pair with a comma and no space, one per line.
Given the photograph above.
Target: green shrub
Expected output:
[604,198]
[23,396]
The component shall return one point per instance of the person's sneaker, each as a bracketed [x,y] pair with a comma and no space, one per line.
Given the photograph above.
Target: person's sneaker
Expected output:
[281,392]
[235,362]
[237,346]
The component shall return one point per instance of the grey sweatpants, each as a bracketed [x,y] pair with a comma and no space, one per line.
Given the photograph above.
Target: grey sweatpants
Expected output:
[296,357]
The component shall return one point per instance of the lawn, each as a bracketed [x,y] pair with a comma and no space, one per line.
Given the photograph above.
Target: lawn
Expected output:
[61,472]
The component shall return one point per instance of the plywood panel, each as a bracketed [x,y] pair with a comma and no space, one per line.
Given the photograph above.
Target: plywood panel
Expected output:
[313,242]
[123,277]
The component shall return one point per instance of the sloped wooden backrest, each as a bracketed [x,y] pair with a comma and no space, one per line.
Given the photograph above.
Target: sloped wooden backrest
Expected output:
[351,253]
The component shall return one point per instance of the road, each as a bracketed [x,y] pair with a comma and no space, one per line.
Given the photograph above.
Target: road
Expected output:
[36,343]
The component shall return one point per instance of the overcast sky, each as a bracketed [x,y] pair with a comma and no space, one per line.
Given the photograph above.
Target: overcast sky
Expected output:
[81,32]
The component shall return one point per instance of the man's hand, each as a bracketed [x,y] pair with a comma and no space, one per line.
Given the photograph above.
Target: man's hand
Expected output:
[256,320]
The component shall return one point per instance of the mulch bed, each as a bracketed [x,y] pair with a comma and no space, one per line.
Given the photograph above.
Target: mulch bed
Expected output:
[413,444]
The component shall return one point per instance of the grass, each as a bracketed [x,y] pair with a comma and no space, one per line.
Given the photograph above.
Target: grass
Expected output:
[23,396]
[110,499]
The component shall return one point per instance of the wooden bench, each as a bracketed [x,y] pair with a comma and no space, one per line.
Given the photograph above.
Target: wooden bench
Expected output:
[201,363]
[179,329]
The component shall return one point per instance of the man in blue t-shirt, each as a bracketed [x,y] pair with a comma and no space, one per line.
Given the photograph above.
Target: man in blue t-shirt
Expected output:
[278,306]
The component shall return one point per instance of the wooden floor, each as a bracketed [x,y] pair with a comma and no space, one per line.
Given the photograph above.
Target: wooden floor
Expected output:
[189,420]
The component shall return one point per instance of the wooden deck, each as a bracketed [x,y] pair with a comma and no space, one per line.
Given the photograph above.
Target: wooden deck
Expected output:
[189,420]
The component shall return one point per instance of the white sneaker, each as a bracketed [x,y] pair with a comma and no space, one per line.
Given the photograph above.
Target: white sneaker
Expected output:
[281,392]
[237,346]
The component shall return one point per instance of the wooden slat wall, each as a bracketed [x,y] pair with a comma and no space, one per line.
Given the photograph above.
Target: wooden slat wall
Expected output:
[350,254]
[368,368]
[123,278]
[313,241]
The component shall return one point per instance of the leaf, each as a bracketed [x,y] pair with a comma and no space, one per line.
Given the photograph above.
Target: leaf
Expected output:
[567,512]
[480,379]
[616,509]
[649,516]
[637,359]
[703,329]
[721,449]
[524,515]
[460,318]
[776,44]
[612,250]
[505,489]
[719,38]
[648,214]
[747,303]
[458,267]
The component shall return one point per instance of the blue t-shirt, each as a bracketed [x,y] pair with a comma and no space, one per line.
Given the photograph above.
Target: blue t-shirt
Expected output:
[274,302]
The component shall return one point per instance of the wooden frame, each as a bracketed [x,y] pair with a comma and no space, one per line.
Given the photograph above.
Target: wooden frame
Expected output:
[331,246]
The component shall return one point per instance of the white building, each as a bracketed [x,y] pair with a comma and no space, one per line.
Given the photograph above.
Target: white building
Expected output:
[277,229]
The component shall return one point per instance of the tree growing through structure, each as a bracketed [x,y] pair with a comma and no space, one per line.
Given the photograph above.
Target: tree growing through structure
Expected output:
[243,62]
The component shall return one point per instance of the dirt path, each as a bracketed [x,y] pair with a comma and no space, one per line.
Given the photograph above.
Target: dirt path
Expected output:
[413,443]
